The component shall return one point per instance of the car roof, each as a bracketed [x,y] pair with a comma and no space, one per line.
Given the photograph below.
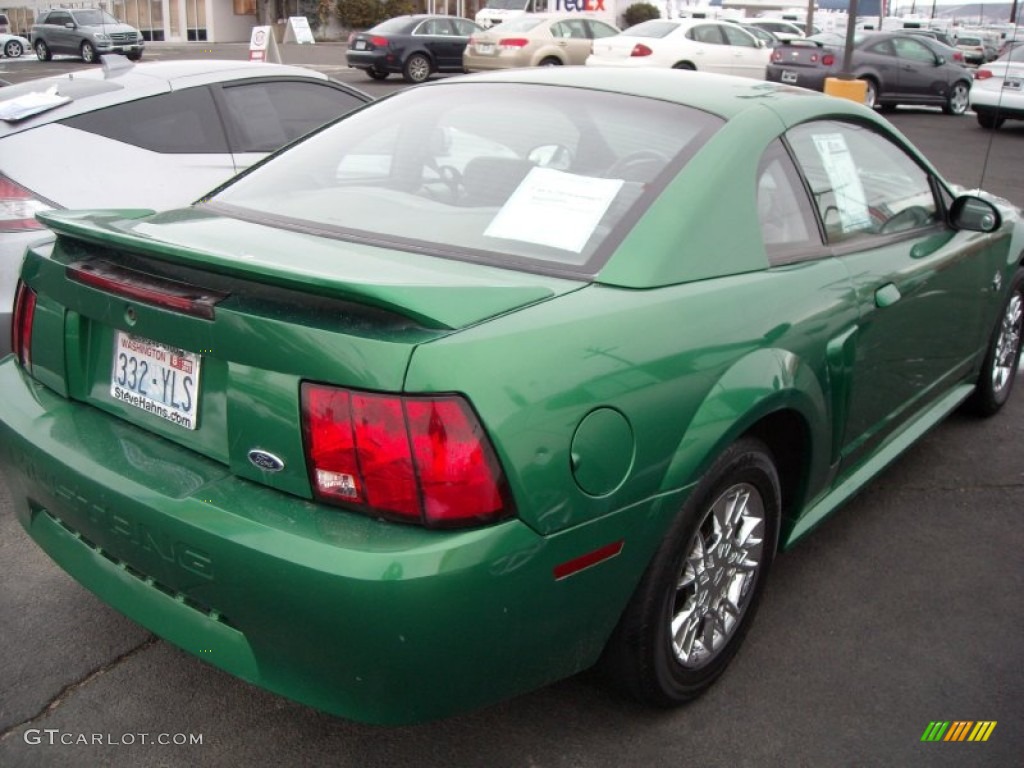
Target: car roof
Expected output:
[119,81]
[724,95]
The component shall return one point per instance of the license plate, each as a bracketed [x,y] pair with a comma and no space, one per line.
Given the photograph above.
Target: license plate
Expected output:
[788,77]
[360,45]
[1013,83]
[156,378]
[486,48]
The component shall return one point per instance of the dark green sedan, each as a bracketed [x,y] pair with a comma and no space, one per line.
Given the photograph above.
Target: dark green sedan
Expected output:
[497,379]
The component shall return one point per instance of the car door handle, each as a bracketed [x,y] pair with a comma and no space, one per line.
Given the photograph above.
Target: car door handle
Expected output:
[887,295]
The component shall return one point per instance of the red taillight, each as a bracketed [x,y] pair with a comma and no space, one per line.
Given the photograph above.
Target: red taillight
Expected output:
[21,329]
[958,56]
[379,42]
[983,74]
[828,60]
[640,50]
[513,42]
[18,207]
[419,459]
[776,55]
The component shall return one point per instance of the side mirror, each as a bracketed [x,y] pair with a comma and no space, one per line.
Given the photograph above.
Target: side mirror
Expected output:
[974,214]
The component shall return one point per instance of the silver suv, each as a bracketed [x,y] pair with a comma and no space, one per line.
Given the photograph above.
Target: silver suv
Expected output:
[85,32]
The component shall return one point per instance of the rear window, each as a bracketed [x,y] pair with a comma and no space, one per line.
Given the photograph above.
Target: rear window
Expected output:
[652,29]
[532,177]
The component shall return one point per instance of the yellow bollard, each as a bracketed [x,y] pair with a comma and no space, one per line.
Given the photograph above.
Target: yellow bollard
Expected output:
[854,90]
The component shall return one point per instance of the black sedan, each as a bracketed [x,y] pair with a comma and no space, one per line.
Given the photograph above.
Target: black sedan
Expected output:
[415,46]
[898,68]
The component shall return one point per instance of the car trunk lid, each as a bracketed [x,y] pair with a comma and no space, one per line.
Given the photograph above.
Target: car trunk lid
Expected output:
[202,329]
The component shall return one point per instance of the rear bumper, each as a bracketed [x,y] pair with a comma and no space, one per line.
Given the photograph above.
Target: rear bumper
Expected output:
[369,620]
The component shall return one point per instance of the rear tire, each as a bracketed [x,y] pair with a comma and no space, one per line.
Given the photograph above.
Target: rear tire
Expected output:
[43,51]
[684,65]
[990,121]
[871,94]
[134,56]
[550,61]
[699,595]
[999,371]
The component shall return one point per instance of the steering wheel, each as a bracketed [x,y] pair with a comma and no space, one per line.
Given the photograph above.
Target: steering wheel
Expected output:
[452,180]
[636,163]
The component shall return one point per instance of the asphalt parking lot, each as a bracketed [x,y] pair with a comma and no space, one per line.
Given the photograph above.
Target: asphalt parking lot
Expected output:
[904,608]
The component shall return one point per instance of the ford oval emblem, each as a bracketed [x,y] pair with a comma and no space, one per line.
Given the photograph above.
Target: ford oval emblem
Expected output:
[265,461]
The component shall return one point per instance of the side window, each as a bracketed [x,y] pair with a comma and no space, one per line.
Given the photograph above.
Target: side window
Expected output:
[863,184]
[267,115]
[735,36]
[434,27]
[913,50]
[561,31]
[464,28]
[180,122]
[706,33]
[58,17]
[784,210]
[883,48]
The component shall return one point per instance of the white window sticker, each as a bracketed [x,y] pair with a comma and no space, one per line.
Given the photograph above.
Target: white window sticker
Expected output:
[846,187]
[556,209]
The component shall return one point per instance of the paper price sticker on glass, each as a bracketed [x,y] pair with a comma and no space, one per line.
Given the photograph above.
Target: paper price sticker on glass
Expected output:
[156,378]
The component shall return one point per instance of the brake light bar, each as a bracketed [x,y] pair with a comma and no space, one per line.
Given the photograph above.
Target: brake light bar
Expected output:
[21,328]
[418,459]
[147,289]
[513,42]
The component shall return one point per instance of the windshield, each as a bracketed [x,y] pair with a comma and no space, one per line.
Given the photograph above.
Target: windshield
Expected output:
[94,18]
[507,5]
[533,177]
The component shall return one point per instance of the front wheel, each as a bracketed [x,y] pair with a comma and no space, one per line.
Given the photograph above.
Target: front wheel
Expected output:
[699,595]
[416,69]
[43,51]
[958,100]
[13,49]
[88,52]
[999,371]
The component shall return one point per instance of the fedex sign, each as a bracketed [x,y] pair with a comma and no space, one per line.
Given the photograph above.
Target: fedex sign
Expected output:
[569,6]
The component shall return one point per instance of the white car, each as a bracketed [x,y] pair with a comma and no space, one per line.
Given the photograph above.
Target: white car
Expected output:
[156,135]
[12,46]
[997,93]
[698,44]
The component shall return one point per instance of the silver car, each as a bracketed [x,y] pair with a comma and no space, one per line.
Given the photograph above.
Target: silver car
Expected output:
[85,32]
[156,135]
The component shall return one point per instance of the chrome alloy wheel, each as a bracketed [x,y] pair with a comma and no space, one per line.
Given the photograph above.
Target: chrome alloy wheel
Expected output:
[718,575]
[1007,344]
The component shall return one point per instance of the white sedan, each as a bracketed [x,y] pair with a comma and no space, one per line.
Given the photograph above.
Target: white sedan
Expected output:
[997,93]
[12,46]
[697,44]
[156,135]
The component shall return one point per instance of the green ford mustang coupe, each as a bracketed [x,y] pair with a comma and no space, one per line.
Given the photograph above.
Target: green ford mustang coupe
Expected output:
[497,379]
